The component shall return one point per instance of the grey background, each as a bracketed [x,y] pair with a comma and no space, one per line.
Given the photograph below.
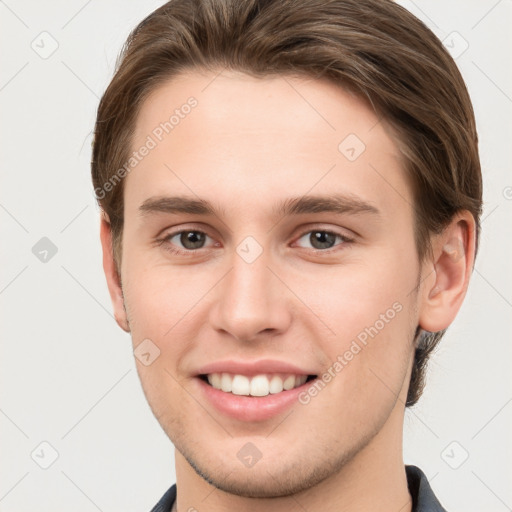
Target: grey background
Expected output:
[67,374]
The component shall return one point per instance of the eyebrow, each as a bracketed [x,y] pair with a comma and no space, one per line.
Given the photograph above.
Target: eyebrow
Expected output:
[333,203]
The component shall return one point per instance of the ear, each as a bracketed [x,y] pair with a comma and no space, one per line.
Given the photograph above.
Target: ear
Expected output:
[112,275]
[446,286]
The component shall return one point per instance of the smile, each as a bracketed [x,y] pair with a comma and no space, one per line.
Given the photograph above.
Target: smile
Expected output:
[257,385]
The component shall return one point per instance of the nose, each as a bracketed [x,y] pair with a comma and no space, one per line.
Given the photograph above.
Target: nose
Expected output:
[251,301]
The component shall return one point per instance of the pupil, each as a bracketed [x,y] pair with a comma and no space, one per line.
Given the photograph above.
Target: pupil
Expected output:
[322,240]
[192,239]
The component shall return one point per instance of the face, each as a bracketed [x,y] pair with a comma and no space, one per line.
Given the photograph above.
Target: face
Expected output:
[269,232]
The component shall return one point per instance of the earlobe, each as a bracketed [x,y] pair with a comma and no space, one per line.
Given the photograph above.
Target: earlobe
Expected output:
[454,252]
[112,275]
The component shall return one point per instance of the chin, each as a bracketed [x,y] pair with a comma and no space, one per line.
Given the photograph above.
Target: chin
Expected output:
[282,475]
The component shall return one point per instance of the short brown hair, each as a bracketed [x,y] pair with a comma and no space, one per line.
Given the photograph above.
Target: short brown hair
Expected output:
[375,48]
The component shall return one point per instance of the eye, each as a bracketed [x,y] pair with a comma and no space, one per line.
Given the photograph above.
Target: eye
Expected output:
[186,242]
[320,239]
[190,240]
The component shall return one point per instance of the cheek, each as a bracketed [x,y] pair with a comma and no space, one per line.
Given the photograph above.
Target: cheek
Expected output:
[366,371]
[166,306]
[161,308]
[372,311]
[350,298]
[159,298]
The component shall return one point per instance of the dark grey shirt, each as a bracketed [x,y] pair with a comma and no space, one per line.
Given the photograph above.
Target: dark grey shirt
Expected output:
[423,498]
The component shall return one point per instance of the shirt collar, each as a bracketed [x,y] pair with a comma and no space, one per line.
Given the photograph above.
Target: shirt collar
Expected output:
[423,497]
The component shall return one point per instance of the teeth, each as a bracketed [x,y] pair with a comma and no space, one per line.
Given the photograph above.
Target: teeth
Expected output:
[289,383]
[240,385]
[225,382]
[276,384]
[259,385]
[215,380]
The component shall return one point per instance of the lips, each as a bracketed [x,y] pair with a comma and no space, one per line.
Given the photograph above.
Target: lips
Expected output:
[253,390]
[249,408]
[252,368]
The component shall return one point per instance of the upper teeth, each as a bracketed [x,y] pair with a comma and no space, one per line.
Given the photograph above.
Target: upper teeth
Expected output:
[259,385]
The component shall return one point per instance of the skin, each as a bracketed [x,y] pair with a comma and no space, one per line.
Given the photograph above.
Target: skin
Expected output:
[249,144]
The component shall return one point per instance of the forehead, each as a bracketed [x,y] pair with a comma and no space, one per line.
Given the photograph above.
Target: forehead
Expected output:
[229,135]
[234,102]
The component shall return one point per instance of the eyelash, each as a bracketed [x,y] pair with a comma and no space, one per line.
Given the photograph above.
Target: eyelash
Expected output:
[165,241]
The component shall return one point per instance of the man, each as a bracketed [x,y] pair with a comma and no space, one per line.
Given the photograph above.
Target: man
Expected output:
[291,195]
